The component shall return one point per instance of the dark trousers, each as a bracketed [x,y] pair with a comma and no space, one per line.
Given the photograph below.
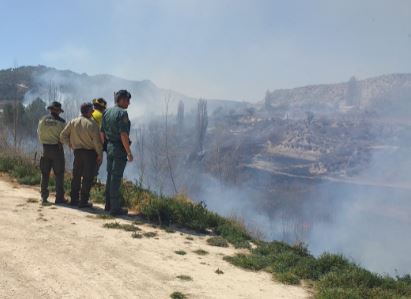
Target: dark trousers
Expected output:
[116,163]
[53,158]
[84,169]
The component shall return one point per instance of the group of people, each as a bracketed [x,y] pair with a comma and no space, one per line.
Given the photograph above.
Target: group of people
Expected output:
[97,129]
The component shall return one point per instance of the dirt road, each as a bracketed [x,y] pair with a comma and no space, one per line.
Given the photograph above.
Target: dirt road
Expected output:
[59,252]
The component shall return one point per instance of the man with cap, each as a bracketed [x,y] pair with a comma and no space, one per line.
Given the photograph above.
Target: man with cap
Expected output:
[49,129]
[115,130]
[82,134]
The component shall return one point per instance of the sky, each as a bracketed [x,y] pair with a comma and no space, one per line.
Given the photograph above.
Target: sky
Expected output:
[225,49]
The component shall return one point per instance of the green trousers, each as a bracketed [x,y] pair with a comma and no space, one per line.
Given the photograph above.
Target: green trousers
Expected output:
[52,158]
[116,163]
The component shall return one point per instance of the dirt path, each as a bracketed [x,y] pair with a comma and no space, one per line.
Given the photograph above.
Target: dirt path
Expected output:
[59,252]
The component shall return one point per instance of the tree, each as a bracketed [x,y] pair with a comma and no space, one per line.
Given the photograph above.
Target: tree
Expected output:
[180,116]
[170,169]
[352,95]
[201,125]
[33,112]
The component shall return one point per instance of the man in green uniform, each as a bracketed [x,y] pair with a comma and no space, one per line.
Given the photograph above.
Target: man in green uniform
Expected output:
[82,134]
[115,130]
[49,129]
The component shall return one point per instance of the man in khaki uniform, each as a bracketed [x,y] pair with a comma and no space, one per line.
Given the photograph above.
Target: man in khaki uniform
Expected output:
[49,129]
[82,134]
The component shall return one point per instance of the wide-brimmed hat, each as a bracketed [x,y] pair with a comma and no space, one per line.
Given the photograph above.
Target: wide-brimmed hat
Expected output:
[55,105]
[100,102]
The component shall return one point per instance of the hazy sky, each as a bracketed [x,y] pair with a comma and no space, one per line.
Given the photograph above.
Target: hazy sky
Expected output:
[233,49]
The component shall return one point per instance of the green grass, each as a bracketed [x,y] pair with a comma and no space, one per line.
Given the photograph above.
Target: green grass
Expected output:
[200,252]
[126,227]
[20,167]
[150,234]
[104,216]
[136,235]
[178,295]
[180,252]
[333,275]
[184,277]
[169,230]
[217,241]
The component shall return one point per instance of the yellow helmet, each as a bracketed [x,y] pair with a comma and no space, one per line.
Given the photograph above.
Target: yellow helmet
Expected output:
[100,102]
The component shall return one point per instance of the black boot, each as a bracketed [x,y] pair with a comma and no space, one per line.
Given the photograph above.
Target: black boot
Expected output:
[61,201]
[119,212]
[84,205]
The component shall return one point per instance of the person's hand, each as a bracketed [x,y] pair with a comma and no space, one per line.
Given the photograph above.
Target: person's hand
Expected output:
[130,157]
[99,160]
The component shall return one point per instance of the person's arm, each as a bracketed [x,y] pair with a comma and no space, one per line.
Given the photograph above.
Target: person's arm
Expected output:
[124,131]
[98,146]
[126,143]
[102,131]
[65,135]
[39,128]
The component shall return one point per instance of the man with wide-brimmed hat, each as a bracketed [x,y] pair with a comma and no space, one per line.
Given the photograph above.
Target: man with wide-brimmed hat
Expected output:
[49,129]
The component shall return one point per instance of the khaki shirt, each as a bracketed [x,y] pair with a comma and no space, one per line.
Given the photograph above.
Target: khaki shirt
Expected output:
[82,133]
[49,129]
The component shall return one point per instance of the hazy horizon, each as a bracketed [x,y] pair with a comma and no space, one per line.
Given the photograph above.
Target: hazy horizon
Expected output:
[214,49]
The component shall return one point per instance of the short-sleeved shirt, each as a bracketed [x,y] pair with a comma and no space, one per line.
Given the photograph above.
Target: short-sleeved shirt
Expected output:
[115,121]
[49,129]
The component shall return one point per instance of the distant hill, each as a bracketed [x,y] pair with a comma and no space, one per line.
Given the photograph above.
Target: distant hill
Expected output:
[387,94]
[28,82]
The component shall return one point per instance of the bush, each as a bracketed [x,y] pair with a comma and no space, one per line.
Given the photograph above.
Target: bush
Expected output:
[328,262]
[234,232]
[7,163]
[21,168]
[217,241]
[287,278]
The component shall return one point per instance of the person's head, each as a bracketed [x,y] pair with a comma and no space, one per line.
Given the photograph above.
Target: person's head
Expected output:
[122,98]
[100,104]
[86,110]
[55,108]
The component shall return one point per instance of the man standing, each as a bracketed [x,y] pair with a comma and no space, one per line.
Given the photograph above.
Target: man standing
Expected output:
[116,129]
[100,106]
[49,129]
[82,134]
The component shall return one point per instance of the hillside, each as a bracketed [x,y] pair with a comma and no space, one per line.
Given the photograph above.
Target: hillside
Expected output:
[29,82]
[376,93]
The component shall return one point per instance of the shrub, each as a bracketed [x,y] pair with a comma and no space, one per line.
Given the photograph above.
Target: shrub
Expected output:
[328,262]
[217,241]
[234,232]
[287,278]
[178,295]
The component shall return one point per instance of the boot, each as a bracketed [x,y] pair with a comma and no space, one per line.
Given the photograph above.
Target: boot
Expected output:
[61,201]
[119,212]
[84,205]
